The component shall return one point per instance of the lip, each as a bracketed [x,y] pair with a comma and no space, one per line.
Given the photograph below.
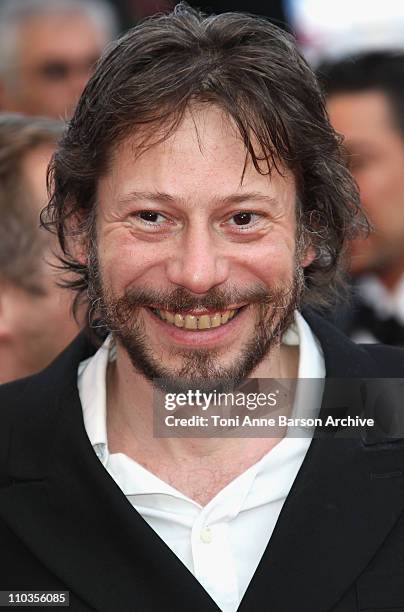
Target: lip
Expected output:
[205,338]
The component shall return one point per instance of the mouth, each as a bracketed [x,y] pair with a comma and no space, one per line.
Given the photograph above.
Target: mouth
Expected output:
[197,322]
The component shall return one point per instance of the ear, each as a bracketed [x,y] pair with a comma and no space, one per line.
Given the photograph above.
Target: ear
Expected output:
[308,257]
[77,239]
[78,249]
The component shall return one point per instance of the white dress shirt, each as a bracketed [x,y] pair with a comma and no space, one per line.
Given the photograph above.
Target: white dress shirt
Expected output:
[222,542]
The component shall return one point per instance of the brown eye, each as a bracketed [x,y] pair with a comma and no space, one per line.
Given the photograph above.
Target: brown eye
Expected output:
[55,71]
[242,218]
[149,215]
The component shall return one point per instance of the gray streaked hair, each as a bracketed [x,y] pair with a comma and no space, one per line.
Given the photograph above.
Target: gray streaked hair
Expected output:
[13,13]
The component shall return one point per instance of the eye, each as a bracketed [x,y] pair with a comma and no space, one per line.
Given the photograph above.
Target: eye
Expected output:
[244,218]
[55,71]
[151,217]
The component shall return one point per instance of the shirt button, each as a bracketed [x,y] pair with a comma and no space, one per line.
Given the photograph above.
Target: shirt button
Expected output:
[206,535]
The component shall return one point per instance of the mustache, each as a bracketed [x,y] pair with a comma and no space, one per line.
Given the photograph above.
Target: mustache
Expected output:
[218,299]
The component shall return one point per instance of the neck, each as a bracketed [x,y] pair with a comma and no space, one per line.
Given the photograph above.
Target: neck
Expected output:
[391,276]
[183,462]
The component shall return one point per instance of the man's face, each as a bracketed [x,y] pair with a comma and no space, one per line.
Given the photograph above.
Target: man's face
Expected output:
[376,148]
[197,270]
[41,322]
[54,57]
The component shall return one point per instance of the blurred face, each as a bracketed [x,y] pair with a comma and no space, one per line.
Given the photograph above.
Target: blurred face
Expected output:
[376,148]
[41,322]
[55,55]
[198,273]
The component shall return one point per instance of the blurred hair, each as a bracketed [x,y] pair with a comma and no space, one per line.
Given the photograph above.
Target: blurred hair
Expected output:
[21,244]
[247,67]
[374,70]
[13,13]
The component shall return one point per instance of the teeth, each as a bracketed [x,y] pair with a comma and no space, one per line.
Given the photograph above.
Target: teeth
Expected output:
[225,317]
[193,322]
[204,322]
[179,320]
[168,316]
[216,320]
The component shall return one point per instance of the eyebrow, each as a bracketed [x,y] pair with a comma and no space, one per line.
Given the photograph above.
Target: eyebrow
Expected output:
[166,198]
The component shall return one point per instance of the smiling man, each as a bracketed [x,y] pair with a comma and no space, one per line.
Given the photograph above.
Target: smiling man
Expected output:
[201,199]
[218,274]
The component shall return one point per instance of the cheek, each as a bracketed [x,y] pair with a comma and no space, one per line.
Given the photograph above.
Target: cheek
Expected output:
[124,263]
[380,182]
[389,190]
[270,262]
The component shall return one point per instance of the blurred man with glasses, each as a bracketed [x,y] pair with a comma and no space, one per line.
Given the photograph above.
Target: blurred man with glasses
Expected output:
[47,52]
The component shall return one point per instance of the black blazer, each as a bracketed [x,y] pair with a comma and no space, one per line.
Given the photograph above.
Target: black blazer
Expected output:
[65,525]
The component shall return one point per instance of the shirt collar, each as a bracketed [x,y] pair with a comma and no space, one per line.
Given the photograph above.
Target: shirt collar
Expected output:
[92,387]
[92,380]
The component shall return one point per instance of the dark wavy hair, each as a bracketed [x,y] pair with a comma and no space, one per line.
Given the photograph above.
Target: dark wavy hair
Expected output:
[249,68]
[381,70]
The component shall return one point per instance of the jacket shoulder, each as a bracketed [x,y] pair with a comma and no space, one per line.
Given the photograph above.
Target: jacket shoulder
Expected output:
[15,397]
[390,359]
[346,359]
[31,404]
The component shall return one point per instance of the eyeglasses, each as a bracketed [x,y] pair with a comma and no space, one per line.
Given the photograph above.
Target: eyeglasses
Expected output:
[58,70]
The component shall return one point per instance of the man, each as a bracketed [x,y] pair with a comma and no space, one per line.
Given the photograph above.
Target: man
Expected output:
[365,101]
[47,51]
[35,314]
[200,198]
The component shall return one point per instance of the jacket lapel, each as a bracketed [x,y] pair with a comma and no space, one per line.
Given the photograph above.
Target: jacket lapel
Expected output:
[72,516]
[344,501]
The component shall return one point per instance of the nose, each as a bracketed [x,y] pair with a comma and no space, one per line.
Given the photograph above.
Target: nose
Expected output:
[199,263]
[78,80]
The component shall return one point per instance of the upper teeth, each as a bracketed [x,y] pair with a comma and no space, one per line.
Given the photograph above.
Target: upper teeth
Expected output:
[204,321]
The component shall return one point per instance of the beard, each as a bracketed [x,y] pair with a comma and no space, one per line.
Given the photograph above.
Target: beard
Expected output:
[273,310]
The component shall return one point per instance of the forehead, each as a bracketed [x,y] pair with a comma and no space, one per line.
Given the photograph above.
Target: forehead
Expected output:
[358,113]
[203,160]
[58,35]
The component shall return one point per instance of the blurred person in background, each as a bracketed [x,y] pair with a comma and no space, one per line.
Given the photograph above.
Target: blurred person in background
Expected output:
[365,101]
[35,319]
[47,52]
